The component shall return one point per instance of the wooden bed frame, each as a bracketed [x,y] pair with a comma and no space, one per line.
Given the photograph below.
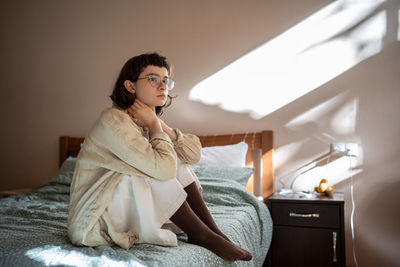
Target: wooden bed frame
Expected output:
[70,146]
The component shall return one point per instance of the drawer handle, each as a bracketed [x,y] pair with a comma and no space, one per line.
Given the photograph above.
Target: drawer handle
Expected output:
[334,235]
[309,215]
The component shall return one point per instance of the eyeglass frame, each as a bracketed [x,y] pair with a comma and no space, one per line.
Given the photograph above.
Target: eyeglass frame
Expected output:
[169,88]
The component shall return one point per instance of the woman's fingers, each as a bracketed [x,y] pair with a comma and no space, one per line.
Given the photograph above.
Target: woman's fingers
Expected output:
[140,111]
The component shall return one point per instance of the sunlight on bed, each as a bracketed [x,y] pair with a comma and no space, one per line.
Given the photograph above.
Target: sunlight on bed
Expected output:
[55,255]
[311,53]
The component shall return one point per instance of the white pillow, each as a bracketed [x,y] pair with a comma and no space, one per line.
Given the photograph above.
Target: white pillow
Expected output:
[229,155]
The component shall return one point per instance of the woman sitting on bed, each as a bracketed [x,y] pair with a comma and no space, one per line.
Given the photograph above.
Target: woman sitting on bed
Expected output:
[132,182]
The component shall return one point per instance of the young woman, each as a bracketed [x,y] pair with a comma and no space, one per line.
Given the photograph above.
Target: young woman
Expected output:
[132,182]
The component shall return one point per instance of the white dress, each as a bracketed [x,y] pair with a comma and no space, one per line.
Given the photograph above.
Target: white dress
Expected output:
[144,205]
[140,176]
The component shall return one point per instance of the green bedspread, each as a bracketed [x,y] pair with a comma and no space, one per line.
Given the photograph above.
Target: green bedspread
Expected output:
[33,229]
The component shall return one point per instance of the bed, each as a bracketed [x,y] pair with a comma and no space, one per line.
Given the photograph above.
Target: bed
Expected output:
[33,226]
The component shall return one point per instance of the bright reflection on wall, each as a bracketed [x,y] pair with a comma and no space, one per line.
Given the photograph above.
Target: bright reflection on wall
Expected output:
[286,152]
[55,255]
[316,50]
[339,112]
[398,25]
[334,170]
[345,120]
[316,113]
[338,116]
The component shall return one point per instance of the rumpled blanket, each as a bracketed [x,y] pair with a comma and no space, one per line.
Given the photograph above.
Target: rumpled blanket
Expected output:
[33,230]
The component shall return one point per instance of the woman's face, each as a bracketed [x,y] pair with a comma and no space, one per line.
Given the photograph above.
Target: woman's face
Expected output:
[146,87]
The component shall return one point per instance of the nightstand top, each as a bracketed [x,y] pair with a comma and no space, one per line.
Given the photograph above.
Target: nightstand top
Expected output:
[306,196]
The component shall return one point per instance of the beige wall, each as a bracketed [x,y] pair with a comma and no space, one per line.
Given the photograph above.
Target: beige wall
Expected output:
[59,60]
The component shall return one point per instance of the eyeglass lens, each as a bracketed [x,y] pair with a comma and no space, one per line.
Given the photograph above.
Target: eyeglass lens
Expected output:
[156,81]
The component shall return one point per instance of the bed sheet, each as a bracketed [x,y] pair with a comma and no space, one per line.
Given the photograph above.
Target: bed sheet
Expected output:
[33,229]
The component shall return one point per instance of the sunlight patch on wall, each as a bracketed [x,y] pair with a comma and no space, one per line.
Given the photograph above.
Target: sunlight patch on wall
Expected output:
[311,53]
[335,171]
[398,25]
[316,113]
[333,120]
[345,120]
[339,113]
[286,152]
[55,255]
[326,166]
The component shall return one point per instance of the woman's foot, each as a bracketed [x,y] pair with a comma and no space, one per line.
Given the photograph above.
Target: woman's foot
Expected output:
[197,204]
[221,247]
[200,234]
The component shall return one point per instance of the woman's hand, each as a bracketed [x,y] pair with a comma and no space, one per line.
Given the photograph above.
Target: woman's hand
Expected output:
[145,116]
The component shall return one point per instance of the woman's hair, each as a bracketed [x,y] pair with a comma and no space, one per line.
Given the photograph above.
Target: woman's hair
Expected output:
[121,97]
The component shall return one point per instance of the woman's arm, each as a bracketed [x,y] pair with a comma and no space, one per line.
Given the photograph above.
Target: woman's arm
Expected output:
[168,130]
[117,134]
[187,146]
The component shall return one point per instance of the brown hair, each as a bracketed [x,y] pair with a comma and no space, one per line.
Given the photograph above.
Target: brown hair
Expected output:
[121,97]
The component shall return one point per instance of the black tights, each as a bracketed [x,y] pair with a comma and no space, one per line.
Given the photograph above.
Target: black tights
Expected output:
[194,218]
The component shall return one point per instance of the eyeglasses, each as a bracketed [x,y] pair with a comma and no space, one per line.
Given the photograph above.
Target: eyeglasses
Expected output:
[155,81]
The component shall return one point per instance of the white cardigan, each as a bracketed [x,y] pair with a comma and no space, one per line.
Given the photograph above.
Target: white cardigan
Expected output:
[116,147]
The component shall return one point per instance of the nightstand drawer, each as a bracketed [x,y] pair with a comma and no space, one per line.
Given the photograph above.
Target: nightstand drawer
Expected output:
[307,246]
[302,214]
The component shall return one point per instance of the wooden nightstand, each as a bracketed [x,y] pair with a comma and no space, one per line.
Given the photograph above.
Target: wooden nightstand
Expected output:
[307,231]
[7,193]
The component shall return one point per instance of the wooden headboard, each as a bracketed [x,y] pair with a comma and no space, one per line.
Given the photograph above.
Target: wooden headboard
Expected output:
[70,146]
[261,140]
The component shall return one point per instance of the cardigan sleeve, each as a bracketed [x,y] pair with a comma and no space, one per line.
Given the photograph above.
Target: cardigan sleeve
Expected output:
[117,132]
[187,147]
